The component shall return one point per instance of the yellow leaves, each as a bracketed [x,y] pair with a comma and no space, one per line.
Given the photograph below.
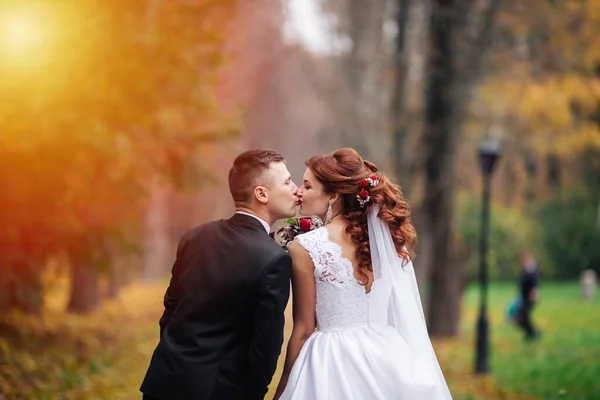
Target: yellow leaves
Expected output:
[554,112]
[585,136]
[541,102]
[98,356]
[545,84]
[552,100]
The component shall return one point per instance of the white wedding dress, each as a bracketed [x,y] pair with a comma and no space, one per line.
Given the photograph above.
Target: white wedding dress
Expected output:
[367,345]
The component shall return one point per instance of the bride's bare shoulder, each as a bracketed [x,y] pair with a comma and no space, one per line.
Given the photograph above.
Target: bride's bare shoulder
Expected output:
[301,258]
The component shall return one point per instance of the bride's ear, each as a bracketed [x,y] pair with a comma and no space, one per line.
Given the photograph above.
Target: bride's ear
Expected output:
[333,198]
[261,194]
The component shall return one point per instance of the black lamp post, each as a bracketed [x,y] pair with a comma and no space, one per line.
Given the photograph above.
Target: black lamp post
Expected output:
[489,151]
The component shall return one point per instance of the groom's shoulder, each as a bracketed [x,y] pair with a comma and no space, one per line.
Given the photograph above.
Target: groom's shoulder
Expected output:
[201,230]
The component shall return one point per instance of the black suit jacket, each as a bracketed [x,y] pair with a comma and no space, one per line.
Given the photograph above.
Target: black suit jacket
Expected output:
[222,329]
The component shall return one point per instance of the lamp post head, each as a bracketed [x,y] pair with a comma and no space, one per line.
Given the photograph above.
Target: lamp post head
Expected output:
[489,151]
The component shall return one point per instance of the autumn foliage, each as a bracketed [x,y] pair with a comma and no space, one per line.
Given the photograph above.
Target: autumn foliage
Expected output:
[113,97]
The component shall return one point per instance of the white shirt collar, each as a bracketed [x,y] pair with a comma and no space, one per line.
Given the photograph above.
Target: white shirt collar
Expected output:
[263,222]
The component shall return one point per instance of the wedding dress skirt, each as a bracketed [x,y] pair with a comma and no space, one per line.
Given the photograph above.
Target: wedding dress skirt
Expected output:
[365,348]
[362,363]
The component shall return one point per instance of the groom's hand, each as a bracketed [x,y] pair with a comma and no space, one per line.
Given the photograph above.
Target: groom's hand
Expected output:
[173,293]
[272,297]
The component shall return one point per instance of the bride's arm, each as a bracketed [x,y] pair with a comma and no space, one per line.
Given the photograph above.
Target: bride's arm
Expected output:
[304,303]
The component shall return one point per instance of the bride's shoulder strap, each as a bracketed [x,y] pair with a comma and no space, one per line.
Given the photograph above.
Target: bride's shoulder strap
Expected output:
[312,242]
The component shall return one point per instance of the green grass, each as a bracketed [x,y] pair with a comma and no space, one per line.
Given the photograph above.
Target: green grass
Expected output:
[564,364]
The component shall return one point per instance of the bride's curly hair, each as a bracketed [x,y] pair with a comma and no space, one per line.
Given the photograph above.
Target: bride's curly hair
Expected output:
[342,172]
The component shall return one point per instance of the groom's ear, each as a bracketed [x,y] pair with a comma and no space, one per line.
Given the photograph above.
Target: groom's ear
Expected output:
[261,194]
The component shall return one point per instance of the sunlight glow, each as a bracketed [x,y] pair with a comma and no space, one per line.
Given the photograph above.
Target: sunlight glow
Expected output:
[22,34]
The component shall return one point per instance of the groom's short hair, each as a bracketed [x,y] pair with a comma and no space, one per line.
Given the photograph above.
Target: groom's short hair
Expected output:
[248,172]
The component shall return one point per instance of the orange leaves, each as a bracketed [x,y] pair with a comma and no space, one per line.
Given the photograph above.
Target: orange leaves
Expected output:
[129,94]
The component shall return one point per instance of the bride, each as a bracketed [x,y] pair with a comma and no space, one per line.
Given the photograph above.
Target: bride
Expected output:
[353,278]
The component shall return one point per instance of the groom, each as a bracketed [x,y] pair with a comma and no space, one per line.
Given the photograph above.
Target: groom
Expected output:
[222,328]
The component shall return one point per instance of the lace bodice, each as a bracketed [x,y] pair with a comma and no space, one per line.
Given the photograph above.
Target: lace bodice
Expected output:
[342,301]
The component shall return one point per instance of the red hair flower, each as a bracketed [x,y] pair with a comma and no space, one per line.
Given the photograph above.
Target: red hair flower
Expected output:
[364,196]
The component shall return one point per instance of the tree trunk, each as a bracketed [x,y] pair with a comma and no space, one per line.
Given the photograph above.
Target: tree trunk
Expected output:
[157,251]
[438,142]
[410,62]
[359,98]
[398,115]
[85,295]
[21,286]
[5,292]
[423,263]
[116,276]
[459,34]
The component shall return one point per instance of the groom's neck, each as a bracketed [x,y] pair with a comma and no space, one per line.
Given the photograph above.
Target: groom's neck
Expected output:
[259,213]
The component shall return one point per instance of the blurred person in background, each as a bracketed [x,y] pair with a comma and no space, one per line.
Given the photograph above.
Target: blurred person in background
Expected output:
[528,295]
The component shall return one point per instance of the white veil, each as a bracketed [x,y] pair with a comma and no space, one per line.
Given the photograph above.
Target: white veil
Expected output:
[405,312]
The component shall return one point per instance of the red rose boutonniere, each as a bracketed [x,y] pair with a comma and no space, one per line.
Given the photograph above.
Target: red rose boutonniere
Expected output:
[297,226]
